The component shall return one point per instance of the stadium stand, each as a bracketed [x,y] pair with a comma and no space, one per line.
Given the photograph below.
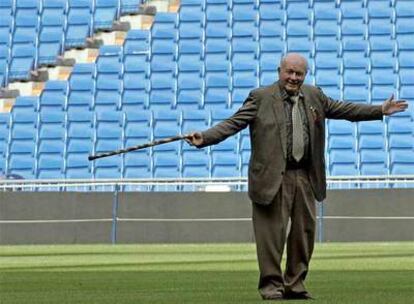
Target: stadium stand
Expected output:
[192,69]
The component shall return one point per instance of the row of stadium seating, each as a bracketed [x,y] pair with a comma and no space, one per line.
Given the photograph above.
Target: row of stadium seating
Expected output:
[53,144]
[34,33]
[40,38]
[186,74]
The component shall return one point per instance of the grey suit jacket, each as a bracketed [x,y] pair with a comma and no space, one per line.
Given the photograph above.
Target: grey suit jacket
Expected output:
[263,112]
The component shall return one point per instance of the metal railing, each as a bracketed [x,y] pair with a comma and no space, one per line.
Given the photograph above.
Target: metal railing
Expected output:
[192,184]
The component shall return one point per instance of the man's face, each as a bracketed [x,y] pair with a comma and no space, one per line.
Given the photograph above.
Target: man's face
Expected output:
[292,73]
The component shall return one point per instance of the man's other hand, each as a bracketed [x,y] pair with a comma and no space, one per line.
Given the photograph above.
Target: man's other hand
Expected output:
[195,139]
[391,106]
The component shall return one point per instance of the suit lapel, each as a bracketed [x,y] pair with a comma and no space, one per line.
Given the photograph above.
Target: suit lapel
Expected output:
[311,120]
[279,112]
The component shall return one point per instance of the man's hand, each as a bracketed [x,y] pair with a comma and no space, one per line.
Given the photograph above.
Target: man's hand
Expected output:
[195,139]
[391,106]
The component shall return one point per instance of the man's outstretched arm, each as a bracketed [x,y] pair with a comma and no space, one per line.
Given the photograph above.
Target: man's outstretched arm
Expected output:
[237,122]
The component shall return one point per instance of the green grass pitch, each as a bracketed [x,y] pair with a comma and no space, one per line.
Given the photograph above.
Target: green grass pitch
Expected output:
[212,273]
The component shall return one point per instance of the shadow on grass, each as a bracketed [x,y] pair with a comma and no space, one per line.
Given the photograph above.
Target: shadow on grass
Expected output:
[196,287]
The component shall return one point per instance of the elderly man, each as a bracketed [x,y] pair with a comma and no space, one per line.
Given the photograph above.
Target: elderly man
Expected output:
[287,168]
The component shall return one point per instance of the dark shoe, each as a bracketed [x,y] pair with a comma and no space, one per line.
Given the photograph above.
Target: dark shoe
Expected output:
[277,296]
[298,296]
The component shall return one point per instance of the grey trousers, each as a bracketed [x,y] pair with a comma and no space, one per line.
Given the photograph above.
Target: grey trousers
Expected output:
[295,200]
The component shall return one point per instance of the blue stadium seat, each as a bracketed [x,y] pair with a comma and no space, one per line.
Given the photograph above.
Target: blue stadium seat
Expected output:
[402,163]
[245,152]
[136,66]
[383,60]
[52,133]
[403,26]
[327,44]
[78,166]
[382,27]
[109,132]
[404,8]
[356,77]
[190,87]
[82,87]
[343,162]
[22,145]
[22,165]
[401,125]
[53,18]
[400,141]
[137,164]
[109,167]
[130,6]
[405,42]
[190,30]
[327,78]
[79,24]
[371,127]
[54,96]
[191,11]
[405,59]
[194,120]
[196,164]
[166,165]
[106,11]
[51,167]
[298,10]
[327,60]
[353,9]
[269,56]
[373,162]
[406,76]
[238,96]
[327,28]
[216,10]
[271,28]
[26,103]
[325,10]
[4,139]
[108,92]
[244,61]
[6,7]
[244,80]
[225,158]
[298,28]
[164,26]
[136,121]
[379,9]
[52,126]
[216,92]
[80,134]
[225,165]
[23,60]
[136,41]
[26,21]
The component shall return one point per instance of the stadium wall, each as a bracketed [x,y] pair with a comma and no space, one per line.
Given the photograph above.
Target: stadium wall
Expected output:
[190,217]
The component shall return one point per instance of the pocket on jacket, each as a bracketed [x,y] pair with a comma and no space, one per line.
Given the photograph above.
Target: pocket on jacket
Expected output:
[257,167]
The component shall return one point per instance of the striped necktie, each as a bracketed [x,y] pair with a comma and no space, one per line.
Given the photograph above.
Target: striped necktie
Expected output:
[297,130]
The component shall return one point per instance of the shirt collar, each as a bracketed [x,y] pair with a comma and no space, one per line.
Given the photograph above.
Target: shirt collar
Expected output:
[285,96]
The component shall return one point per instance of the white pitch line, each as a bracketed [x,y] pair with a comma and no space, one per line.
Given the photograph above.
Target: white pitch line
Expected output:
[184,219]
[369,217]
[53,221]
[172,220]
